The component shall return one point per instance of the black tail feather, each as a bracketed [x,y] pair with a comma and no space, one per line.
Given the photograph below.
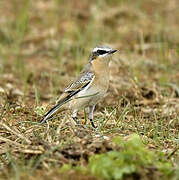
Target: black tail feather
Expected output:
[60,103]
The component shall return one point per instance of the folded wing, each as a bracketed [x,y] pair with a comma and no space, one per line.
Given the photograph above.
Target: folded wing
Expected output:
[82,82]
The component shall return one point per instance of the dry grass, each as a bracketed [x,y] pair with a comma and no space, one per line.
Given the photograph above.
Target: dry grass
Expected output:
[43,44]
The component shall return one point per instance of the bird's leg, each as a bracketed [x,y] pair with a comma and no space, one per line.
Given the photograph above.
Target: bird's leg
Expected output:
[74,116]
[91,109]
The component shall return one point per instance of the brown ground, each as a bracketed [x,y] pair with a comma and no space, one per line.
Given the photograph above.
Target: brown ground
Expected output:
[44,44]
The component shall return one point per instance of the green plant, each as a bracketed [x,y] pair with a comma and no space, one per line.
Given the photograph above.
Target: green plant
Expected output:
[40,110]
[131,158]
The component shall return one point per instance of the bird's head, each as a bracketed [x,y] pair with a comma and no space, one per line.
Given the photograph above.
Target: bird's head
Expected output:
[102,52]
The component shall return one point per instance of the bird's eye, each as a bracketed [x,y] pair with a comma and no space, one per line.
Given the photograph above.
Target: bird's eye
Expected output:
[101,52]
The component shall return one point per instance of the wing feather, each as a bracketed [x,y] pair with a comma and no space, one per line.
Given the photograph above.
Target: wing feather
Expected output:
[80,82]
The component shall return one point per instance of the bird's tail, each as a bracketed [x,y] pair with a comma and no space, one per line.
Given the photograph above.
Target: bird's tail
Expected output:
[50,113]
[55,109]
[61,102]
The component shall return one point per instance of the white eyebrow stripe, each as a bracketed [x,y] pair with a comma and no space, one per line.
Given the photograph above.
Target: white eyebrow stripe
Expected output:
[104,49]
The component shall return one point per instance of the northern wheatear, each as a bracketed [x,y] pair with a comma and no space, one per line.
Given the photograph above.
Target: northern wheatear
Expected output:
[89,87]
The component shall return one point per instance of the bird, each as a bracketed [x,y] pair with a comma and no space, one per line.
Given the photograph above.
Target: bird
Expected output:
[88,88]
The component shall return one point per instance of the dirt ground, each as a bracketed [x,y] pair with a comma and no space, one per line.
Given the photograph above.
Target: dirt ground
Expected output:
[44,44]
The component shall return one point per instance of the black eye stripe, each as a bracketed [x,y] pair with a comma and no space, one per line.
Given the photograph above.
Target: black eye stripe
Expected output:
[100,52]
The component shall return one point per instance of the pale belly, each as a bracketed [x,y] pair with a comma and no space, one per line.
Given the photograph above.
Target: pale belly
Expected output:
[87,98]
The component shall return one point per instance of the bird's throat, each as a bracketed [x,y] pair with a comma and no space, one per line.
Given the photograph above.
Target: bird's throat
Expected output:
[101,66]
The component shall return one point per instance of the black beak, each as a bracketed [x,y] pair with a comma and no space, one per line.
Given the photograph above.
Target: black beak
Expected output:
[112,51]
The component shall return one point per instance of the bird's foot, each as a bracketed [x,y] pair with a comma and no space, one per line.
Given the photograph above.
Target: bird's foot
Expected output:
[76,120]
[92,123]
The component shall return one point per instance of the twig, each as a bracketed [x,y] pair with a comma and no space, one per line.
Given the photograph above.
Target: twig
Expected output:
[173,152]
[16,133]
[29,151]
[10,142]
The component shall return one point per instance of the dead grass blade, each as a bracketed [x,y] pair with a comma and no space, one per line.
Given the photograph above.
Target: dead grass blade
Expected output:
[29,151]
[11,142]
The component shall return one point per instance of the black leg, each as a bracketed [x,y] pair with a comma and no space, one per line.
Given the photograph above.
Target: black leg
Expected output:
[76,120]
[92,123]
[91,109]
